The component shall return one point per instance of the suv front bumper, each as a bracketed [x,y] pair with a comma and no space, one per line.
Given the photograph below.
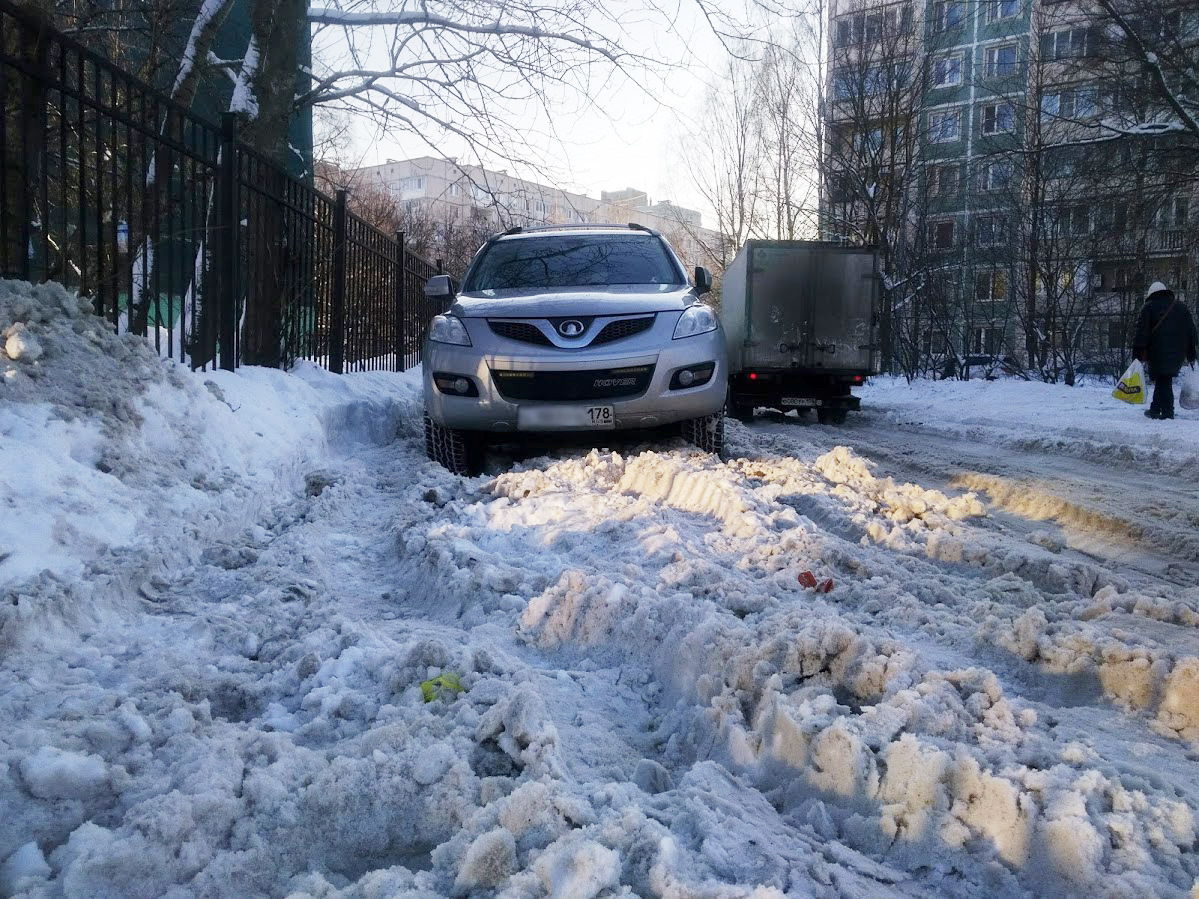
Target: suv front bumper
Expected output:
[492,412]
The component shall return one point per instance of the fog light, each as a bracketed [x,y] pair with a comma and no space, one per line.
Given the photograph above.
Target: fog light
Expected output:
[694,376]
[455,385]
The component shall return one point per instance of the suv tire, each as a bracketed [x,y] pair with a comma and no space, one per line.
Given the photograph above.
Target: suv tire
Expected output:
[458,451]
[707,433]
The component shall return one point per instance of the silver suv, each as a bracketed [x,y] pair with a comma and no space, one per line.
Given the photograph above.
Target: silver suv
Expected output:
[585,328]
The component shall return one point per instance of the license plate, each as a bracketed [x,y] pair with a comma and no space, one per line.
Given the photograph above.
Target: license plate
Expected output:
[549,418]
[801,401]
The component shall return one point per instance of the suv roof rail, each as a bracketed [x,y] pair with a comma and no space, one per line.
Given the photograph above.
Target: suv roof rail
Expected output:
[577,226]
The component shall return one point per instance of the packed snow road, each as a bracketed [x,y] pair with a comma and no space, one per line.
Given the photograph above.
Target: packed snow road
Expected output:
[585,673]
[1139,517]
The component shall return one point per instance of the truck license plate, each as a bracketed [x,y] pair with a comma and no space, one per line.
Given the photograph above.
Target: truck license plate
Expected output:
[549,418]
[801,401]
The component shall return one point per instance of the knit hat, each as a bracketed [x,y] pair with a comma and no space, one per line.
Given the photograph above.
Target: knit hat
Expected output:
[1156,287]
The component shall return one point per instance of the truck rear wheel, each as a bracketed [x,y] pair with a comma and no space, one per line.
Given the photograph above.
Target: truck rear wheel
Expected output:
[458,451]
[832,416]
[740,411]
[707,433]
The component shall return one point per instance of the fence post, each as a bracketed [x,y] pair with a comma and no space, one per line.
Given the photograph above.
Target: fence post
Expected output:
[401,267]
[228,267]
[30,120]
[337,324]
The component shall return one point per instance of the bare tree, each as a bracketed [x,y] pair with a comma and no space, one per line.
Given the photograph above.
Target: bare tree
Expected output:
[871,162]
[727,168]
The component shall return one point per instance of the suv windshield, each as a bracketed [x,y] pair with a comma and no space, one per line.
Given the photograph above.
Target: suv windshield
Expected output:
[573,260]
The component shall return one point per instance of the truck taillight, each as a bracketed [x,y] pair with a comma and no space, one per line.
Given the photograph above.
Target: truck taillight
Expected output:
[857,379]
[753,376]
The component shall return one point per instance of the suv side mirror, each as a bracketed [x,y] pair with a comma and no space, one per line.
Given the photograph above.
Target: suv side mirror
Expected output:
[703,281]
[439,287]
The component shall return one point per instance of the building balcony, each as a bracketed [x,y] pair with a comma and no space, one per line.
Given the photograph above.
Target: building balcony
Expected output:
[1170,242]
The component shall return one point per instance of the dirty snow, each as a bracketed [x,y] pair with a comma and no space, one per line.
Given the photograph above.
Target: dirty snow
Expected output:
[226,596]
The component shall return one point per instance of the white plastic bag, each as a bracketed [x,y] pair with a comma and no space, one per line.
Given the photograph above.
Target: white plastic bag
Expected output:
[1188,396]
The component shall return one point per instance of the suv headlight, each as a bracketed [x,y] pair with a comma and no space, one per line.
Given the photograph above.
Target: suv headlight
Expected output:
[448,329]
[696,319]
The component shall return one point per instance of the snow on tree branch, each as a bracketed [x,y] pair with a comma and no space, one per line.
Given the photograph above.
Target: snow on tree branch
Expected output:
[1181,105]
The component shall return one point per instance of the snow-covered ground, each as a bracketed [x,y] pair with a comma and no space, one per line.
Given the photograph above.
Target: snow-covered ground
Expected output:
[227,598]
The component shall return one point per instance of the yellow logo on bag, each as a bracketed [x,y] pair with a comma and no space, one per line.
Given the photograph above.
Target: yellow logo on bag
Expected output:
[1131,387]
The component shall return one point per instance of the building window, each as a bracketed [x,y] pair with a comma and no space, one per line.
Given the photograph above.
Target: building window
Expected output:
[940,235]
[947,71]
[997,175]
[1073,220]
[990,230]
[480,194]
[1000,62]
[1002,9]
[1111,219]
[845,35]
[945,180]
[987,340]
[455,190]
[874,27]
[854,29]
[844,82]
[990,286]
[949,14]
[998,117]
[868,143]
[1069,42]
[945,125]
[880,78]
[1073,103]
[1115,336]
[935,343]
[1182,208]
[412,185]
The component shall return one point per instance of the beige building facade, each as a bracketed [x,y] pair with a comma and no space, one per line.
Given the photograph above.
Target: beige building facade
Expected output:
[460,193]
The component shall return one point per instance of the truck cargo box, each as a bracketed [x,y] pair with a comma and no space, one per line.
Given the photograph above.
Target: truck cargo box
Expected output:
[801,321]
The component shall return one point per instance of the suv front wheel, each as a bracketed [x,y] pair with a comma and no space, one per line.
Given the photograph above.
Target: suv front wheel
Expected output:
[706,432]
[458,451]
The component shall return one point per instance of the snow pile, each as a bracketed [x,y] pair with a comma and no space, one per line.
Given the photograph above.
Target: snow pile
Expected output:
[329,668]
[114,461]
[850,734]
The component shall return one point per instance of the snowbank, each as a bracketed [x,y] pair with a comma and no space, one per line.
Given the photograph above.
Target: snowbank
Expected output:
[274,651]
[111,458]
[1084,420]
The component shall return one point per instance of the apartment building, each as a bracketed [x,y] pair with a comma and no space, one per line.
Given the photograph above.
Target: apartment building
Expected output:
[453,192]
[976,143]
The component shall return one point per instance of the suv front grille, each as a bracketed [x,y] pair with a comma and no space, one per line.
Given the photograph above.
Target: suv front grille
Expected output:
[593,384]
[625,327]
[527,332]
[522,331]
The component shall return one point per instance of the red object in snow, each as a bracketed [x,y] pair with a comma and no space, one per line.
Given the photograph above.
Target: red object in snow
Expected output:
[807,579]
[825,585]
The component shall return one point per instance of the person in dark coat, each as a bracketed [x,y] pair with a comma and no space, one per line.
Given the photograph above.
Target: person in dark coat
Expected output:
[1165,337]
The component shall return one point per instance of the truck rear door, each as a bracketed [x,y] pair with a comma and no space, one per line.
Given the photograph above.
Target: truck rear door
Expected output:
[810,307]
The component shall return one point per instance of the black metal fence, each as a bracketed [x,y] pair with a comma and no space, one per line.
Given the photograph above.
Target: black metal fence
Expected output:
[179,232]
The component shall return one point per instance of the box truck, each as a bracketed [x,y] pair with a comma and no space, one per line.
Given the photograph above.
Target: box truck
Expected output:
[801,320]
